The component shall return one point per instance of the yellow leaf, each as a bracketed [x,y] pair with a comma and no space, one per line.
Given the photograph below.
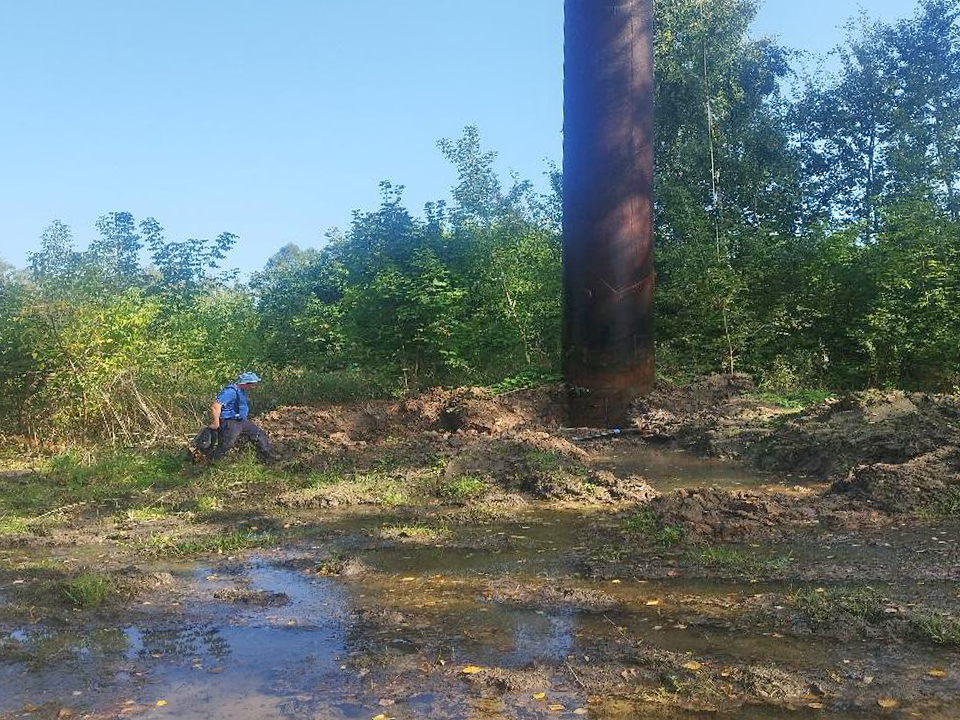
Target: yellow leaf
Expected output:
[692,665]
[887,703]
[408,579]
[471,670]
[615,582]
[381,716]
[653,602]
[161,703]
[937,672]
[539,696]
[557,708]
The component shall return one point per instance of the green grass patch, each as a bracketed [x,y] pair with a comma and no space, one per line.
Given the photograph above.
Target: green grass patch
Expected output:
[740,562]
[669,535]
[88,590]
[166,545]
[828,606]
[323,478]
[526,380]
[414,530]
[207,504]
[462,488]
[935,628]
[381,489]
[545,462]
[796,399]
[945,506]
[13,525]
[146,514]
[648,524]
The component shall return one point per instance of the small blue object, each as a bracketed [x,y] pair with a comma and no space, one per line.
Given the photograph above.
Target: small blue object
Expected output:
[248,377]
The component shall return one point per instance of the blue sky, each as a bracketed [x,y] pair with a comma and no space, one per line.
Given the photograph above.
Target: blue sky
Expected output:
[276,120]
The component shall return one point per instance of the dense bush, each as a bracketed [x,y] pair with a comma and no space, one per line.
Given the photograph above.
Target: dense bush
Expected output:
[808,238]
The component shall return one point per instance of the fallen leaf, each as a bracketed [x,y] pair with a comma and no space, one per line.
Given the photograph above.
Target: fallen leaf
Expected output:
[580,711]
[539,696]
[937,672]
[815,706]
[408,579]
[161,703]
[471,670]
[615,582]
[692,665]
[381,716]
[653,602]
[557,708]
[887,703]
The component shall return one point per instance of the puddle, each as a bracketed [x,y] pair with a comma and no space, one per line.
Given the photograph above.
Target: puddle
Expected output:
[666,469]
[393,642]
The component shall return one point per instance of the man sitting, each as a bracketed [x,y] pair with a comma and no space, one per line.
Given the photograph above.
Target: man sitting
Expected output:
[230,414]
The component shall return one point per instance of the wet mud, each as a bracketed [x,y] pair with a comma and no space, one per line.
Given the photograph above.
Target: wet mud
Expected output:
[470,559]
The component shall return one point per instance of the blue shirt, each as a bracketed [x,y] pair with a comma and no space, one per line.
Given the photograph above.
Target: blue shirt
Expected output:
[233,399]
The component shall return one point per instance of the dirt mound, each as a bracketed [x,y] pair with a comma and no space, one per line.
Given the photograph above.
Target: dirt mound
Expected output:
[544,466]
[919,483]
[475,410]
[723,416]
[327,428]
[860,429]
[436,415]
[515,453]
[710,393]
[690,416]
[712,513]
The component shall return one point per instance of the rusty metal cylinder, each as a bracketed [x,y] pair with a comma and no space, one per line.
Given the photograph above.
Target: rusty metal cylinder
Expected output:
[608,162]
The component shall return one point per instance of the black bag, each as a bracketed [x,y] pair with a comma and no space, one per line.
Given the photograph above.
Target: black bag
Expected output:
[205,440]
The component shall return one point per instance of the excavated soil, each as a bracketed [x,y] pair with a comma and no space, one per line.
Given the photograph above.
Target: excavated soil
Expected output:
[465,555]
[894,451]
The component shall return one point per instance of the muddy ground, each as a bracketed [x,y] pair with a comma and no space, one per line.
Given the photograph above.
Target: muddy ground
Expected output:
[460,555]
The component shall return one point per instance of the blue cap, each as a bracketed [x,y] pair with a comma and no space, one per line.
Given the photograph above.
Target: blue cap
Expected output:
[248,377]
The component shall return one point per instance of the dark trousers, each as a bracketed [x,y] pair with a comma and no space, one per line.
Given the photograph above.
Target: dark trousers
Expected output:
[233,430]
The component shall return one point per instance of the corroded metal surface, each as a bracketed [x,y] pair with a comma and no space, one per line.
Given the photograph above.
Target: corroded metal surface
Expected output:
[608,207]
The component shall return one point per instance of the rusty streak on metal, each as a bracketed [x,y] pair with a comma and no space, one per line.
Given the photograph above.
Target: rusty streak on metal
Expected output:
[608,157]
